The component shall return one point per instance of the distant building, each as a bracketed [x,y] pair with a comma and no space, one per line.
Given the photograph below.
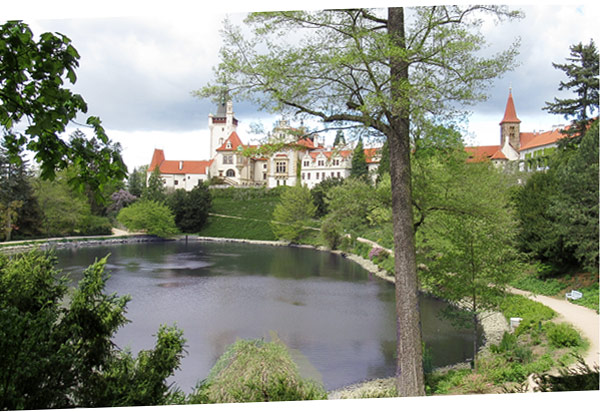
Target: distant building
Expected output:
[299,157]
[529,149]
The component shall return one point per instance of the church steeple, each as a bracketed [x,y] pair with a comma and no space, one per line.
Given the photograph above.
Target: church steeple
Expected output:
[510,124]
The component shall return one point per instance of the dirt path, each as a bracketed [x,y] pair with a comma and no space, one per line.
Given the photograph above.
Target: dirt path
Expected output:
[585,320]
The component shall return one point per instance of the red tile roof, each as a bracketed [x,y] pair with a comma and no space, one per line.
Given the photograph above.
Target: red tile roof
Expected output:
[531,140]
[510,114]
[235,141]
[481,153]
[193,167]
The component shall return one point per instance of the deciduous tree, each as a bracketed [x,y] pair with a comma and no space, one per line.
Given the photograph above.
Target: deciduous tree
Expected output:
[378,71]
[33,96]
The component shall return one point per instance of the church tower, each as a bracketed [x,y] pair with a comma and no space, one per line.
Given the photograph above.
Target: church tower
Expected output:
[510,126]
[221,125]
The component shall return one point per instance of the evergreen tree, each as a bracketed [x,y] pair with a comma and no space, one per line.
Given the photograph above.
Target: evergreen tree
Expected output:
[155,190]
[582,72]
[359,168]
[340,140]
[136,182]
[384,161]
[20,213]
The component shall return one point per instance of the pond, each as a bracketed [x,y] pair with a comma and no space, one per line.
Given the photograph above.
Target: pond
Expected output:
[337,319]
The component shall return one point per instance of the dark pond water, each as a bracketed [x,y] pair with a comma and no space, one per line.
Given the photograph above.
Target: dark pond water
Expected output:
[337,319]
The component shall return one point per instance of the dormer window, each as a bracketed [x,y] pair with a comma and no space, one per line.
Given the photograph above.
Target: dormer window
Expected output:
[228,146]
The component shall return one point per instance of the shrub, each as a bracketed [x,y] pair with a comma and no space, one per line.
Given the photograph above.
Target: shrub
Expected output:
[578,378]
[562,335]
[531,312]
[330,230]
[255,371]
[191,208]
[293,214]
[154,217]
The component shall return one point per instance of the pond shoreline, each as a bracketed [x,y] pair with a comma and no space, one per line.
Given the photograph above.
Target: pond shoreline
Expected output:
[493,324]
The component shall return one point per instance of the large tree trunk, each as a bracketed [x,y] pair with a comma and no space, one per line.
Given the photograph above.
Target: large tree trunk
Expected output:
[409,367]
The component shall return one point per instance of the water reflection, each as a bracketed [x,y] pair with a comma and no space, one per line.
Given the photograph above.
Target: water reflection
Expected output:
[323,306]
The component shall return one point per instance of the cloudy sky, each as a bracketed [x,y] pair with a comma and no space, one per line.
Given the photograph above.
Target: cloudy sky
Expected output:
[140,61]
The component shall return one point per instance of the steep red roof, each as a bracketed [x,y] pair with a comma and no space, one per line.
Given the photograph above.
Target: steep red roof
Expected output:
[510,114]
[194,167]
[157,158]
[481,153]
[235,141]
[370,155]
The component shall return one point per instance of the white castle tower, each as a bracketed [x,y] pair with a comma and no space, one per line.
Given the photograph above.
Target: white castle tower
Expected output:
[221,125]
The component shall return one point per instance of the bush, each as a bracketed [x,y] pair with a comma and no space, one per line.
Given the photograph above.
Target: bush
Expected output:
[255,371]
[293,214]
[562,335]
[578,378]
[331,233]
[531,312]
[191,208]
[153,217]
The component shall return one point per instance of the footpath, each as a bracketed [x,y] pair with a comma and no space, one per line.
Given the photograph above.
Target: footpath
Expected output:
[585,320]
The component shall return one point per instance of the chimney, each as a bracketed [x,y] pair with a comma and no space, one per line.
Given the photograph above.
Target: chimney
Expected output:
[180,164]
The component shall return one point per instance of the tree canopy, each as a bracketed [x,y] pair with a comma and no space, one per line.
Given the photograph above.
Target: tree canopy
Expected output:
[378,70]
[36,107]
[582,72]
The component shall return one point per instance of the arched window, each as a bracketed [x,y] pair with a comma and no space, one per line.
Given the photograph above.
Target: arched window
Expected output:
[230,173]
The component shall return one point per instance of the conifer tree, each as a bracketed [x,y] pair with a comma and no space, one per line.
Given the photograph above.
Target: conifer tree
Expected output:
[582,72]
[359,168]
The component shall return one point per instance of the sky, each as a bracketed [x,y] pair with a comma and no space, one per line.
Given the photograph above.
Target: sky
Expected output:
[140,62]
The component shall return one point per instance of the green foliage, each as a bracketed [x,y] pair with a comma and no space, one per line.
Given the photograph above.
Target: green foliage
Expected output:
[582,72]
[20,214]
[136,182]
[153,217]
[33,92]
[580,377]
[66,212]
[350,204]
[359,168]
[467,248]
[547,287]
[155,189]
[558,209]
[190,208]
[384,161]
[532,313]
[319,194]
[331,232]
[56,349]
[292,216]
[562,335]
[255,371]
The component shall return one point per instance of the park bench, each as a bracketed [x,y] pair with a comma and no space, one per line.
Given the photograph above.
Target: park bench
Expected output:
[574,294]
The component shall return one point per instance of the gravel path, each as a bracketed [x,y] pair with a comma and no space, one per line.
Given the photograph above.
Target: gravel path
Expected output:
[585,320]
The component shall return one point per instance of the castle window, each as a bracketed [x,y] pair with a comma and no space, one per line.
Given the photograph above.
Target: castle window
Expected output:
[227,159]
[228,145]
[336,162]
[306,163]
[280,167]
[176,182]
[230,173]
[321,163]
[308,175]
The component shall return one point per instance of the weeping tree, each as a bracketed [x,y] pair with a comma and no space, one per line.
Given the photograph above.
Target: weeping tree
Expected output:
[378,71]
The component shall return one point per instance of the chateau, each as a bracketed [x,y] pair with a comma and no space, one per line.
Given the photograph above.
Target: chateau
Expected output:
[299,157]
[528,149]
[303,158]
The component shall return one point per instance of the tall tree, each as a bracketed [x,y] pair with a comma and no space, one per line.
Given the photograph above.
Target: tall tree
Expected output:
[136,182]
[369,69]
[33,93]
[155,189]
[582,73]
[340,140]
[19,209]
[384,161]
[359,168]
